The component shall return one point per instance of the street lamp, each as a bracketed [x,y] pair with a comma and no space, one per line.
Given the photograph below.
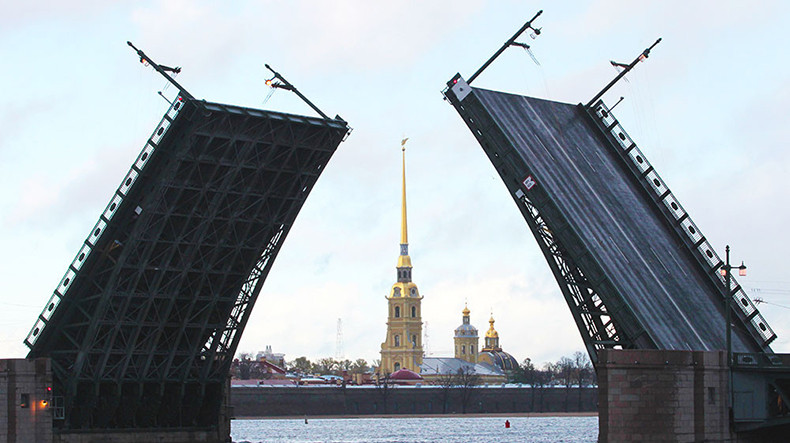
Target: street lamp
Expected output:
[725,271]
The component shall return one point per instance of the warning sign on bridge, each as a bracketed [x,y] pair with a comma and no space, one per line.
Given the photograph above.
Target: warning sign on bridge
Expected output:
[529,182]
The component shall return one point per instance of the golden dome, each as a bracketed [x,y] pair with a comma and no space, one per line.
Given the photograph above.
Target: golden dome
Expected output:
[492,333]
[465,311]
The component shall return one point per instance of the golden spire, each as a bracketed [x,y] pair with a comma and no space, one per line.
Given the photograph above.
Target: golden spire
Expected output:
[404,235]
[404,261]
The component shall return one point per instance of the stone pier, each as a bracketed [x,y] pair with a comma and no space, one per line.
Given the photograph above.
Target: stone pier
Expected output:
[667,396]
[29,411]
[26,415]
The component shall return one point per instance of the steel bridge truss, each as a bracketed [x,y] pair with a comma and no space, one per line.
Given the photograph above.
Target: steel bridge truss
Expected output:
[602,319]
[143,326]
[588,310]
[603,315]
[676,216]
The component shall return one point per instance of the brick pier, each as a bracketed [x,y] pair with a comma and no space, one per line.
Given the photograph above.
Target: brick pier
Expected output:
[668,396]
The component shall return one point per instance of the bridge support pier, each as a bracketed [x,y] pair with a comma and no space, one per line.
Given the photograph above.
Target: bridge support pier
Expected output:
[656,395]
[30,413]
[26,411]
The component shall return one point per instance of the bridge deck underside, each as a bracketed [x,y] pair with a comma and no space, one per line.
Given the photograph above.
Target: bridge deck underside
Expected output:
[614,223]
[149,323]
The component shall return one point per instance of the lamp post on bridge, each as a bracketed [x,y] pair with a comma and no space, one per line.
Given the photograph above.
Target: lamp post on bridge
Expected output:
[725,271]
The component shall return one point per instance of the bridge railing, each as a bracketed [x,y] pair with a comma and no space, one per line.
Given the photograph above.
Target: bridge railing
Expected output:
[98,229]
[704,250]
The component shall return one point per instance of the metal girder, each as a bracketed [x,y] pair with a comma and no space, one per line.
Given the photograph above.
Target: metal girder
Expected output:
[602,319]
[144,329]
[667,205]
[588,310]
[632,266]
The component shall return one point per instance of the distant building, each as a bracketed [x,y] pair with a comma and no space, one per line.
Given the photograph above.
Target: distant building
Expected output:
[266,365]
[436,370]
[405,377]
[276,359]
[402,347]
[466,339]
[492,353]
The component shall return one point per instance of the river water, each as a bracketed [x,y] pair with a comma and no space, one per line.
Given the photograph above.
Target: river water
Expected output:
[422,429]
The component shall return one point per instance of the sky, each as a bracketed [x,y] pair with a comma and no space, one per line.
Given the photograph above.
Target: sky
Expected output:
[708,109]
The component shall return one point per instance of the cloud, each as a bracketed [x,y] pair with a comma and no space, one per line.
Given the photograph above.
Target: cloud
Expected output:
[15,119]
[343,35]
[20,14]
[708,106]
[46,200]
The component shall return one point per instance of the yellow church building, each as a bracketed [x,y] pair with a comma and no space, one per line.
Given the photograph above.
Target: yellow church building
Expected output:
[466,339]
[485,363]
[402,347]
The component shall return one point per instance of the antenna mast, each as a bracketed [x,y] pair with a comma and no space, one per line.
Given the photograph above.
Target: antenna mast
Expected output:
[425,340]
[339,353]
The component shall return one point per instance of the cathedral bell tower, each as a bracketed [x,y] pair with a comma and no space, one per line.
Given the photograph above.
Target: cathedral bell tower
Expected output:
[402,348]
[492,337]
[466,339]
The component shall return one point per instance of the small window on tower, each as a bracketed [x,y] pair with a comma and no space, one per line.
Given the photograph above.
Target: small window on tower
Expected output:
[413,311]
[463,349]
[397,311]
[397,367]
[397,341]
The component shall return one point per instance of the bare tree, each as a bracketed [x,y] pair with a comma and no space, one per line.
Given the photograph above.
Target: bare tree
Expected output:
[384,388]
[343,365]
[360,366]
[528,374]
[300,365]
[245,368]
[583,371]
[466,382]
[543,378]
[582,367]
[565,369]
[445,383]
[326,365]
[257,371]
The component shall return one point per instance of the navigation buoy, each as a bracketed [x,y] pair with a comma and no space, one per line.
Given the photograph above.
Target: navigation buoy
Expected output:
[507,424]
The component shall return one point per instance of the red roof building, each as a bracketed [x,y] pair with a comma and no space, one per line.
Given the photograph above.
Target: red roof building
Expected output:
[405,377]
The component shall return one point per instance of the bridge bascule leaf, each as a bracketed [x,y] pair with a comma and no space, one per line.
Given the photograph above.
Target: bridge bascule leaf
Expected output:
[143,327]
[635,270]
